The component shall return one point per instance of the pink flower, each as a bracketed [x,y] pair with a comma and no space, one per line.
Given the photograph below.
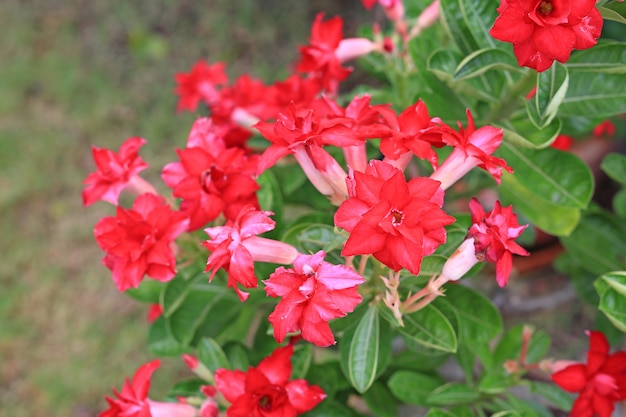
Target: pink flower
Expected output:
[211,179]
[542,31]
[114,172]
[395,221]
[472,147]
[313,293]
[601,382]
[138,241]
[494,236]
[133,400]
[265,390]
[200,84]
[235,247]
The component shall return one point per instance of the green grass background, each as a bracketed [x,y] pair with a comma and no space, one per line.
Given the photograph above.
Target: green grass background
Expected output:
[80,72]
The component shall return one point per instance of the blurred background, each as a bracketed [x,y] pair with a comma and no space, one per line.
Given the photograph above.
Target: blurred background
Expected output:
[75,73]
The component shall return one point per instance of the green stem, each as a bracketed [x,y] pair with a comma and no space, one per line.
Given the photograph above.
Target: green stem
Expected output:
[511,99]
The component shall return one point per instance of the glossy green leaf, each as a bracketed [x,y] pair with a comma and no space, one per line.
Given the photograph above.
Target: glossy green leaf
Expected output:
[608,57]
[612,304]
[186,388]
[554,219]
[552,393]
[523,133]
[616,280]
[613,12]
[614,165]
[479,319]
[455,235]
[211,355]
[311,238]
[453,393]
[438,412]
[269,196]
[468,23]
[493,384]
[366,351]
[598,243]
[330,409]
[509,346]
[431,328]
[552,86]
[560,178]
[238,355]
[594,95]
[412,387]
[483,60]
[327,376]
[619,203]
[380,401]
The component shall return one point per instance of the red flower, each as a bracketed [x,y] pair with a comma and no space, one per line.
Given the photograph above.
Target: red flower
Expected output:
[562,142]
[319,57]
[605,128]
[413,131]
[266,391]
[235,247]
[154,312]
[544,30]
[114,171]
[138,241]
[199,84]
[314,292]
[601,382]
[133,401]
[396,221]
[212,179]
[494,236]
[472,147]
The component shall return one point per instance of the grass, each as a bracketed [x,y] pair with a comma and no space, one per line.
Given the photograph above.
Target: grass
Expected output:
[78,73]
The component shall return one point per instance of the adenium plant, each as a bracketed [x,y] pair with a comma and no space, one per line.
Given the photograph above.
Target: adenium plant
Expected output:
[314,251]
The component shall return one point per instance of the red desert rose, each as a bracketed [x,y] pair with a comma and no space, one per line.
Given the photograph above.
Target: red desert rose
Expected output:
[601,382]
[494,236]
[266,391]
[542,31]
[114,171]
[397,222]
[199,84]
[313,293]
[133,401]
[235,247]
[138,241]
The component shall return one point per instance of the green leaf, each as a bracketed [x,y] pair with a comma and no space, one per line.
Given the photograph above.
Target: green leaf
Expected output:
[594,95]
[523,133]
[598,242]
[616,280]
[493,384]
[188,304]
[380,401]
[611,12]
[468,23]
[453,393]
[161,342]
[186,388]
[412,387]
[301,360]
[327,376]
[554,219]
[269,195]
[509,346]
[311,238]
[479,319]
[149,291]
[560,178]
[483,60]
[612,304]
[431,328]
[608,57]
[237,354]
[619,203]
[559,398]
[614,164]
[455,235]
[552,86]
[438,412]
[365,352]
[211,355]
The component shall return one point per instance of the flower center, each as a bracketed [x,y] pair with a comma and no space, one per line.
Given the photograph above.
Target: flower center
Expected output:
[265,402]
[396,217]
[545,7]
[604,384]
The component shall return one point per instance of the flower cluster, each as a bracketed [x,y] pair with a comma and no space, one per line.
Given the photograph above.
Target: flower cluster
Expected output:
[387,175]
